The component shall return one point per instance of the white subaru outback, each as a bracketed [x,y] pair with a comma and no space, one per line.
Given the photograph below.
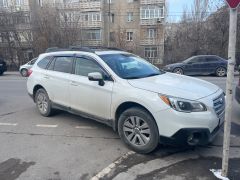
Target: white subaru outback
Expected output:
[147,106]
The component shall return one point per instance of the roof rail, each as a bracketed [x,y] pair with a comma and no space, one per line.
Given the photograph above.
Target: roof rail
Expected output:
[54,49]
[91,49]
[81,48]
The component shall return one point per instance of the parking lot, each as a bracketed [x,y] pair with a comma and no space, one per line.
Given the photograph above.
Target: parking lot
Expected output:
[66,146]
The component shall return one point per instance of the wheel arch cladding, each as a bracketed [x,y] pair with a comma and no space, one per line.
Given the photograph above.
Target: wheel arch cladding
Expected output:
[36,87]
[123,107]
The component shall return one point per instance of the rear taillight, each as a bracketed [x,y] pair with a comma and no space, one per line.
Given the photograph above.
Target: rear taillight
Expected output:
[29,72]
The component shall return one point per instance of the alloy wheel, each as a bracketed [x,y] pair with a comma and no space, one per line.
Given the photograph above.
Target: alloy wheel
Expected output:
[24,72]
[178,71]
[221,72]
[42,102]
[137,131]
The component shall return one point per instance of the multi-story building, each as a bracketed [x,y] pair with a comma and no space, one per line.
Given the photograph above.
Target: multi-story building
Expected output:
[15,30]
[134,25]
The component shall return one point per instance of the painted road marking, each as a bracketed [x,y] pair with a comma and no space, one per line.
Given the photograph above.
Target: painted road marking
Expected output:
[85,127]
[8,124]
[47,125]
[108,169]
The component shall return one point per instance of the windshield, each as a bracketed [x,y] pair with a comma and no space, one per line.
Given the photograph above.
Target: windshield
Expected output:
[128,66]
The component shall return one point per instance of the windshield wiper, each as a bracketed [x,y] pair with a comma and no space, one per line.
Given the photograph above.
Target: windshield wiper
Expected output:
[153,74]
[133,77]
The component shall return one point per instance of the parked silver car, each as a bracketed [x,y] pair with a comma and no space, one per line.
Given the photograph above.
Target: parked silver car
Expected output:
[25,67]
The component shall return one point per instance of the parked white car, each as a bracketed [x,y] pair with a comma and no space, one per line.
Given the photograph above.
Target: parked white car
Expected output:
[144,104]
[25,67]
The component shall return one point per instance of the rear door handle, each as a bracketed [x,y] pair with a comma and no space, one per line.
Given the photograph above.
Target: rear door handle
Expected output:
[46,77]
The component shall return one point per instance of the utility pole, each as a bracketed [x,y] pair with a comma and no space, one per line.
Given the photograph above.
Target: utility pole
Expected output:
[109,21]
[229,87]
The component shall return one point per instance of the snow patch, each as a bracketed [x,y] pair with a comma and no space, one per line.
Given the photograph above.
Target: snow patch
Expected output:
[218,174]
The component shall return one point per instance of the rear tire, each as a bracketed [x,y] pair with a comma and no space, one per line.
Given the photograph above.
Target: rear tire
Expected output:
[221,72]
[1,73]
[138,130]
[24,72]
[43,103]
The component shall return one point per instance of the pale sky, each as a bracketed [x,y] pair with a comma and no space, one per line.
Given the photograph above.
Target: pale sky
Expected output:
[175,8]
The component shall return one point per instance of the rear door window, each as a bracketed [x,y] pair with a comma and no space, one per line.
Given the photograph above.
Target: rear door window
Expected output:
[63,64]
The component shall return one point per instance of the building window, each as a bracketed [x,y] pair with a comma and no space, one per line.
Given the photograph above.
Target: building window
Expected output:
[149,12]
[150,52]
[94,34]
[92,16]
[129,36]
[3,3]
[112,18]
[130,16]
[151,33]
[18,2]
[40,2]
[109,1]
[112,36]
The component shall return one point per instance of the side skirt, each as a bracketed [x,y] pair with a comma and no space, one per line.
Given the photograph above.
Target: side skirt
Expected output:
[109,122]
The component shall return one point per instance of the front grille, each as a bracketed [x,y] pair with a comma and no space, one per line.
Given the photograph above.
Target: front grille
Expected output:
[219,105]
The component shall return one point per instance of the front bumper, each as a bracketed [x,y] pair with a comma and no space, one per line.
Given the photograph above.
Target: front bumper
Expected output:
[237,94]
[191,136]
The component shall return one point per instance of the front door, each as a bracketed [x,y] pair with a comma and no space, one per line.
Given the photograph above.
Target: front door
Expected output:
[88,96]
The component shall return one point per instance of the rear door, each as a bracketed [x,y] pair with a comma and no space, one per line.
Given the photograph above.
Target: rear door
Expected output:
[57,77]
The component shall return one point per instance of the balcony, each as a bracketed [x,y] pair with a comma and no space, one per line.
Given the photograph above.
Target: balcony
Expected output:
[15,8]
[84,6]
[152,22]
[24,26]
[151,41]
[91,24]
[146,2]
[92,42]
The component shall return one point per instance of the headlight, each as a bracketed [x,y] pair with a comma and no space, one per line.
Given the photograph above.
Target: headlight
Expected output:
[183,105]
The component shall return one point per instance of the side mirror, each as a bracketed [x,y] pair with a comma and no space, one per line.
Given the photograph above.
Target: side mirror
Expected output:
[96,76]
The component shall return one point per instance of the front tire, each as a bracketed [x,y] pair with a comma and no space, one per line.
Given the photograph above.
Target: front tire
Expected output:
[138,130]
[43,103]
[178,71]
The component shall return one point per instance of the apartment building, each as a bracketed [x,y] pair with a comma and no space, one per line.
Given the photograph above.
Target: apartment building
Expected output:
[136,25]
[86,15]
[133,25]
[15,30]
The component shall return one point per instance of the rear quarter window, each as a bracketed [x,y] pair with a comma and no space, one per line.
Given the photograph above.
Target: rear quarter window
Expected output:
[44,62]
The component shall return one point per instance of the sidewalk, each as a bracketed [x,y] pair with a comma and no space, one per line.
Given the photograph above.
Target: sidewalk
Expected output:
[175,163]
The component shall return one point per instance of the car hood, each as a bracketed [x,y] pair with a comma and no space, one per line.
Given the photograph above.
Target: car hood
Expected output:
[176,85]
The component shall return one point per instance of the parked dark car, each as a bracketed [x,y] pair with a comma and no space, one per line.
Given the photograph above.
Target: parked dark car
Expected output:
[200,65]
[237,94]
[3,66]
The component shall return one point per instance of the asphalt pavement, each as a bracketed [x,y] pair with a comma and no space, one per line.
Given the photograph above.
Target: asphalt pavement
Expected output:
[70,147]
